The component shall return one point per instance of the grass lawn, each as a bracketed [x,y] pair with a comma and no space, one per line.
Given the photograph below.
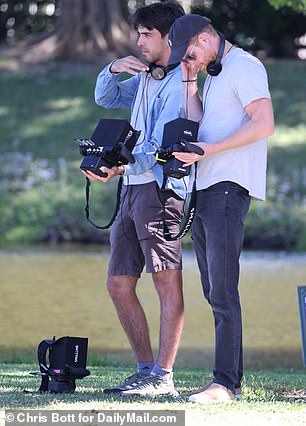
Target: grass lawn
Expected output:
[268,398]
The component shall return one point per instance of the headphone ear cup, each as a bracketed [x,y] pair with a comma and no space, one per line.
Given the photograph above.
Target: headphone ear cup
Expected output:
[158,72]
[214,68]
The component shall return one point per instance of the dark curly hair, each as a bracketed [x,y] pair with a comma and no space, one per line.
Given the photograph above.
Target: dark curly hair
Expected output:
[159,16]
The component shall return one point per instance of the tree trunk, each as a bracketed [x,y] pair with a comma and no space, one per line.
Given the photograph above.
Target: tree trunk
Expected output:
[94,30]
[92,26]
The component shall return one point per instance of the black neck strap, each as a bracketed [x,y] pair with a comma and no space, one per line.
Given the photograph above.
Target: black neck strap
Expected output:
[221,48]
[172,66]
[87,190]
[188,214]
[167,68]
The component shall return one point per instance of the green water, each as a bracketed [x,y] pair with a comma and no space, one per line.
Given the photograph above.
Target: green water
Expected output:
[59,292]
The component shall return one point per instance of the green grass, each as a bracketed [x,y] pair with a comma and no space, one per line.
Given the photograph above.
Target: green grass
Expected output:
[42,114]
[267,397]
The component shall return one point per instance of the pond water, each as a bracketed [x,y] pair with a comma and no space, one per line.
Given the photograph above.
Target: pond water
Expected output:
[47,292]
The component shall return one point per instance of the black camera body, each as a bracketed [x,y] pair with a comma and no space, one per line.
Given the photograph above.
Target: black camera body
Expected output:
[111,144]
[176,137]
[67,362]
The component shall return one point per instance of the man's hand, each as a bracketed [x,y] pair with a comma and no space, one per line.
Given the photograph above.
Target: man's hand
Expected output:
[129,64]
[189,158]
[114,171]
[190,70]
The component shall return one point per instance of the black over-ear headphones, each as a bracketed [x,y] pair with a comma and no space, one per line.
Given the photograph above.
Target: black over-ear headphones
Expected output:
[214,67]
[159,72]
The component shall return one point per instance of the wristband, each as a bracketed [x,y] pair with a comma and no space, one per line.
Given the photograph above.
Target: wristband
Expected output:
[188,81]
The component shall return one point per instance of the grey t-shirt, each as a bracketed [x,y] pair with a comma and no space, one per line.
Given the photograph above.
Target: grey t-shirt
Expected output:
[243,79]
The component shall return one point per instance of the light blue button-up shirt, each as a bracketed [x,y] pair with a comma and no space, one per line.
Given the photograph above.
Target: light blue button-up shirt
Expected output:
[163,106]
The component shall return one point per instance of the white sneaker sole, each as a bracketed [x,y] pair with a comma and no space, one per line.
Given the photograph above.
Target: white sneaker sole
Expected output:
[174,394]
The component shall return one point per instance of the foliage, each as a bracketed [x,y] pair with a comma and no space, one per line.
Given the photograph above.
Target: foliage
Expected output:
[273,29]
[39,204]
[298,5]
[42,190]
[270,32]
[275,225]
[21,18]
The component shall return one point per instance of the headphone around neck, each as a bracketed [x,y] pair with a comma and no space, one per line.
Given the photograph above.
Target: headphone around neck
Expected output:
[159,72]
[214,67]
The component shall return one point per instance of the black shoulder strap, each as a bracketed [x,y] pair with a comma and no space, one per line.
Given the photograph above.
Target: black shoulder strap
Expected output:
[188,214]
[42,362]
[186,221]
[119,189]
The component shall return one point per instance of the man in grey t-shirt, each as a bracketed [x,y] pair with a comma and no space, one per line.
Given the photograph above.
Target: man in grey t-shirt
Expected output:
[236,117]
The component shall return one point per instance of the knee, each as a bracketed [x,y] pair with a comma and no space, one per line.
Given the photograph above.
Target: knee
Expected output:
[120,287]
[170,290]
[112,288]
[223,301]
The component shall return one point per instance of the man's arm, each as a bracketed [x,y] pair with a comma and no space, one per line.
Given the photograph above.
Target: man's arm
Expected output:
[112,93]
[166,111]
[259,126]
[194,108]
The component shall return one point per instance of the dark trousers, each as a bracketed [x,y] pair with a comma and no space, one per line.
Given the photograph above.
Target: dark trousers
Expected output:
[218,230]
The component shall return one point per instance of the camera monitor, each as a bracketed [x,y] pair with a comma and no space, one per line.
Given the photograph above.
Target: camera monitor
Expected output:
[177,134]
[111,144]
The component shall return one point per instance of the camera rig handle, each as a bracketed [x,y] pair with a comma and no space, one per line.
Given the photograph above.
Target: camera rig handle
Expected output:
[164,154]
[185,146]
[42,361]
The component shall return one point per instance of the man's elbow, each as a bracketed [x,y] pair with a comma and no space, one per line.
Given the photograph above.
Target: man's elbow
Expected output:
[102,101]
[269,120]
[99,99]
[266,131]
[266,127]
[261,112]
[269,128]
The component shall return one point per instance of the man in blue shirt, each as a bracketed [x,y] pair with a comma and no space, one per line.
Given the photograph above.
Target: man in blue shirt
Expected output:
[137,237]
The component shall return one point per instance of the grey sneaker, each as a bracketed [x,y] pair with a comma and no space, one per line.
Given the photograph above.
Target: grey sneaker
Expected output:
[127,383]
[153,385]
